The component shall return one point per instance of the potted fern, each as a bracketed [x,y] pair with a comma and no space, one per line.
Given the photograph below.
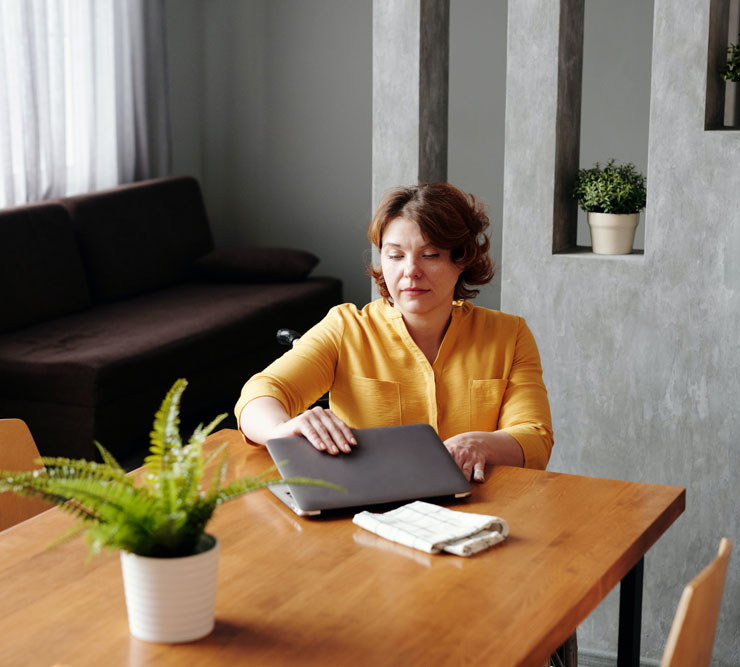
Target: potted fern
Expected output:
[157,521]
[612,197]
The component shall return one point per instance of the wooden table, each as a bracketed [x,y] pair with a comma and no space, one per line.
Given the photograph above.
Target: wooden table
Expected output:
[325,592]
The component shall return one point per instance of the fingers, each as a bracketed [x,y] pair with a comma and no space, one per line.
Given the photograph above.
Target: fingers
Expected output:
[324,430]
[469,459]
[473,469]
[467,469]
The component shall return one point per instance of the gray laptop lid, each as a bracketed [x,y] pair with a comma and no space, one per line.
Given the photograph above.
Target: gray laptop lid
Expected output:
[388,464]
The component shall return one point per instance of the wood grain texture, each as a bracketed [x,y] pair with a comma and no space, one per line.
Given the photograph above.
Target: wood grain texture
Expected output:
[324,591]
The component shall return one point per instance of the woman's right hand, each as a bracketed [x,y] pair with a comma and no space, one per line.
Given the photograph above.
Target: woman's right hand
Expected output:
[321,427]
[265,417]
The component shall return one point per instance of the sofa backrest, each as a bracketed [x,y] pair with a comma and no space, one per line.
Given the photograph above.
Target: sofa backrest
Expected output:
[41,270]
[140,237]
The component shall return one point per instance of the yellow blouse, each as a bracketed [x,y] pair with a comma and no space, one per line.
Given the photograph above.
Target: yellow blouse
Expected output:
[487,375]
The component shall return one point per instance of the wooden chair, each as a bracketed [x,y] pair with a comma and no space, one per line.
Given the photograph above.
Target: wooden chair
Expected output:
[691,637]
[17,452]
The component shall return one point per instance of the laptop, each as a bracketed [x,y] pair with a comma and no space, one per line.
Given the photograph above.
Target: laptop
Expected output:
[388,464]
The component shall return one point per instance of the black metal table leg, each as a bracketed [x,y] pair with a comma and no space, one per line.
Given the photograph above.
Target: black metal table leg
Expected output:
[630,617]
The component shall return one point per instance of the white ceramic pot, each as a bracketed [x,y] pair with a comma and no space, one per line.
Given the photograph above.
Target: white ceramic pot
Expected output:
[171,599]
[612,234]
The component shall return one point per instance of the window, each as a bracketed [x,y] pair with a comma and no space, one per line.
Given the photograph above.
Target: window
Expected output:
[83,103]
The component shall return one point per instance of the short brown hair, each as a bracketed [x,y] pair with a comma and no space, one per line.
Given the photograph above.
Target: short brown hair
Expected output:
[450,220]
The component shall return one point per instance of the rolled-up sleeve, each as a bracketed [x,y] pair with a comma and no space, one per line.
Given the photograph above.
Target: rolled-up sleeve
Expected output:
[525,410]
[301,375]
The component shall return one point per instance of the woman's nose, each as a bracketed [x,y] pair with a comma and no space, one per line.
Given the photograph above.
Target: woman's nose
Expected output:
[411,268]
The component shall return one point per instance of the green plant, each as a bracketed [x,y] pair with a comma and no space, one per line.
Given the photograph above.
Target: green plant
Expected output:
[731,70]
[613,189]
[162,515]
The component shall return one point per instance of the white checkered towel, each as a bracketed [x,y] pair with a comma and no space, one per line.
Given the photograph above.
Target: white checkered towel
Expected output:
[432,528]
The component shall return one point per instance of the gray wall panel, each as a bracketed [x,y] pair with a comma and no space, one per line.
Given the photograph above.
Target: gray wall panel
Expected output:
[641,353]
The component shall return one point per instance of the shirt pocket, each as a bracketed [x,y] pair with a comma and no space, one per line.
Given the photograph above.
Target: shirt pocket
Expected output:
[486,397]
[378,402]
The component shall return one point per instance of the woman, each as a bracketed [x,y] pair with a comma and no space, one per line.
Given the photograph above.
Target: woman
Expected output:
[421,353]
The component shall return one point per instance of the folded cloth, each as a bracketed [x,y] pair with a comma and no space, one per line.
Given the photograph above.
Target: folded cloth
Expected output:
[432,528]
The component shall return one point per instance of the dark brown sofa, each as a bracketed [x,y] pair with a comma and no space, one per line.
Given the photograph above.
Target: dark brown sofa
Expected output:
[107,298]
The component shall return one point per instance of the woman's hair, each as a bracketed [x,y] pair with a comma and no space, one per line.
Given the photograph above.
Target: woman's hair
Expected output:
[450,220]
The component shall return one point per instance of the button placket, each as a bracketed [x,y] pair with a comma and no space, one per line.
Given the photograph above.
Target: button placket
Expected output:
[422,366]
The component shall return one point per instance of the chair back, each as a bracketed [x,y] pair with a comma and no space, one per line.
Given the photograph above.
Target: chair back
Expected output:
[17,452]
[691,637]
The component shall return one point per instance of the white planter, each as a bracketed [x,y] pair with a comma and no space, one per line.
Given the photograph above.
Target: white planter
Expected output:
[171,599]
[612,234]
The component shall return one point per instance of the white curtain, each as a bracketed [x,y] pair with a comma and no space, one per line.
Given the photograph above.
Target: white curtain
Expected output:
[83,96]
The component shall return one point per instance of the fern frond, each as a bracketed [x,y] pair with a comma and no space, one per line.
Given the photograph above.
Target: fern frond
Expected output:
[67,536]
[199,514]
[29,485]
[79,512]
[128,535]
[201,432]
[108,458]
[219,473]
[188,473]
[216,453]
[165,490]
[247,484]
[56,466]
[108,502]
[165,432]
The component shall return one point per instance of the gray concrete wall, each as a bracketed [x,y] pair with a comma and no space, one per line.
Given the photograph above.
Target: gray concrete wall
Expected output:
[185,42]
[222,51]
[641,354]
[272,111]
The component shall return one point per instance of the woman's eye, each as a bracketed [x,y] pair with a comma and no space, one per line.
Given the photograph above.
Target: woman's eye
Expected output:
[395,256]
[431,255]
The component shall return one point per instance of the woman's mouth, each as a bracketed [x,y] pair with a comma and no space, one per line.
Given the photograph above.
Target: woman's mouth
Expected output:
[414,291]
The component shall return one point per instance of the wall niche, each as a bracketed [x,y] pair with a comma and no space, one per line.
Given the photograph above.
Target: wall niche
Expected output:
[722,110]
[603,81]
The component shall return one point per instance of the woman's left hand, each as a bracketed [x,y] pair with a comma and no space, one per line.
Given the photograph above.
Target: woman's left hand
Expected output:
[472,450]
[469,453]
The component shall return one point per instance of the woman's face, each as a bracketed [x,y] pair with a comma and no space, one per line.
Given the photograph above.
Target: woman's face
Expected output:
[420,278]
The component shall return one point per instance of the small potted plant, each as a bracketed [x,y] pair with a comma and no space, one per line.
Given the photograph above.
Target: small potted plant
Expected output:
[731,69]
[613,197]
[157,521]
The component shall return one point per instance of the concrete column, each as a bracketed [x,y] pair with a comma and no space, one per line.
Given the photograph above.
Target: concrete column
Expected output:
[410,72]
[410,94]
[640,353]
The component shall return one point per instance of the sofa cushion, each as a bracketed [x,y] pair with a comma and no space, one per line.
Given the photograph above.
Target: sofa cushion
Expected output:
[107,352]
[41,271]
[102,373]
[256,264]
[140,237]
